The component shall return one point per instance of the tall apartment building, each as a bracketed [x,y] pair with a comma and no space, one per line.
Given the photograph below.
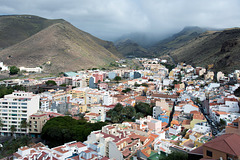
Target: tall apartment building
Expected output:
[16,107]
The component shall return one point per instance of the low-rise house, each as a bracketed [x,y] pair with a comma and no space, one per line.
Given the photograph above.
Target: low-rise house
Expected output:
[175,128]
[234,127]
[70,151]
[202,127]
[223,147]
[114,142]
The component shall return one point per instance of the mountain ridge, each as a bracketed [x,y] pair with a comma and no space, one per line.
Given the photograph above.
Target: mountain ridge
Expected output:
[60,47]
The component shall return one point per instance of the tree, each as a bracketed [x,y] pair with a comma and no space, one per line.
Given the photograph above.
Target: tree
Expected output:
[13,129]
[139,115]
[118,108]
[24,124]
[128,112]
[145,85]
[117,78]
[237,92]
[1,123]
[126,90]
[14,70]
[115,117]
[63,85]
[136,84]
[50,83]
[143,108]
[60,130]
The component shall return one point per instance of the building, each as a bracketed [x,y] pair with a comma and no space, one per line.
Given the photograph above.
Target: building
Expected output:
[37,69]
[15,108]
[114,143]
[3,67]
[36,123]
[224,147]
[70,151]
[234,127]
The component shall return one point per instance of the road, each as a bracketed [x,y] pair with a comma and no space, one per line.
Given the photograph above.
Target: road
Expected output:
[213,124]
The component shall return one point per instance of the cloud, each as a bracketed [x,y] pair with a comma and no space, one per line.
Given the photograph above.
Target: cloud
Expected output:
[109,19]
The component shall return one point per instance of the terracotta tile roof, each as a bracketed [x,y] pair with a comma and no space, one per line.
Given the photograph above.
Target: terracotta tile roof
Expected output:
[195,112]
[24,148]
[126,152]
[60,149]
[198,116]
[164,96]
[175,122]
[186,122]
[92,114]
[164,124]
[227,143]
[17,155]
[39,144]
[198,151]
[144,151]
[230,99]
[77,144]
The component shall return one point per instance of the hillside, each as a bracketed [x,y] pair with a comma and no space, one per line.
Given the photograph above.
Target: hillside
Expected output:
[176,41]
[16,28]
[60,47]
[129,48]
[220,48]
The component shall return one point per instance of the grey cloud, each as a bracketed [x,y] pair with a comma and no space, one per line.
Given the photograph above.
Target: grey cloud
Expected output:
[109,19]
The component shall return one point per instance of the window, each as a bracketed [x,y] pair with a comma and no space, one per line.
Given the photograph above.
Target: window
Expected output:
[209,153]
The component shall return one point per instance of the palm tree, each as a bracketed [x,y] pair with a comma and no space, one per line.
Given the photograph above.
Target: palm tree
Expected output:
[1,123]
[24,124]
[13,129]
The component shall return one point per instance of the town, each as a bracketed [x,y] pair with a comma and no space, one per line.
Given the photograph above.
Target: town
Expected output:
[148,113]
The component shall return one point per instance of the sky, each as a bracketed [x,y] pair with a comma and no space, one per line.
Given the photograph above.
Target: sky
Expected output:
[110,19]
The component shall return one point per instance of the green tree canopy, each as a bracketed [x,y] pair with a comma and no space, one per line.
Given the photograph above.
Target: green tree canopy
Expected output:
[117,78]
[9,89]
[24,124]
[50,83]
[139,115]
[60,130]
[1,123]
[126,90]
[128,112]
[143,108]
[237,92]
[13,129]
[14,70]
[118,108]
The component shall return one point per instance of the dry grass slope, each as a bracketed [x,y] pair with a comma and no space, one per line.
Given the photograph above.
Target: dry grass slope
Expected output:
[64,46]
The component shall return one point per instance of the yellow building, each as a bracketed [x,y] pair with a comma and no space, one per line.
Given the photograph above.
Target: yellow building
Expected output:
[82,108]
[197,118]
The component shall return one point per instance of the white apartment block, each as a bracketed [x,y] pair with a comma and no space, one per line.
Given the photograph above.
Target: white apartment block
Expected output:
[36,69]
[16,107]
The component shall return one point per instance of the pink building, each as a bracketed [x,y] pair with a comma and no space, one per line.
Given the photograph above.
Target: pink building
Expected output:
[98,77]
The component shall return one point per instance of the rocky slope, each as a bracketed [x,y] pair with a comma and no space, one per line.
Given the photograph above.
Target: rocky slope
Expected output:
[60,47]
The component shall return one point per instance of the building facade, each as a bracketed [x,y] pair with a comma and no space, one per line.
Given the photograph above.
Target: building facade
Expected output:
[15,108]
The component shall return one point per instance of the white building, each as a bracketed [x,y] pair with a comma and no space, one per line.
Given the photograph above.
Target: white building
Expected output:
[202,127]
[16,107]
[107,99]
[36,69]
[4,68]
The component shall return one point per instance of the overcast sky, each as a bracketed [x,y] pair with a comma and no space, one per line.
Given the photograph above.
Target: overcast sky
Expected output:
[109,19]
